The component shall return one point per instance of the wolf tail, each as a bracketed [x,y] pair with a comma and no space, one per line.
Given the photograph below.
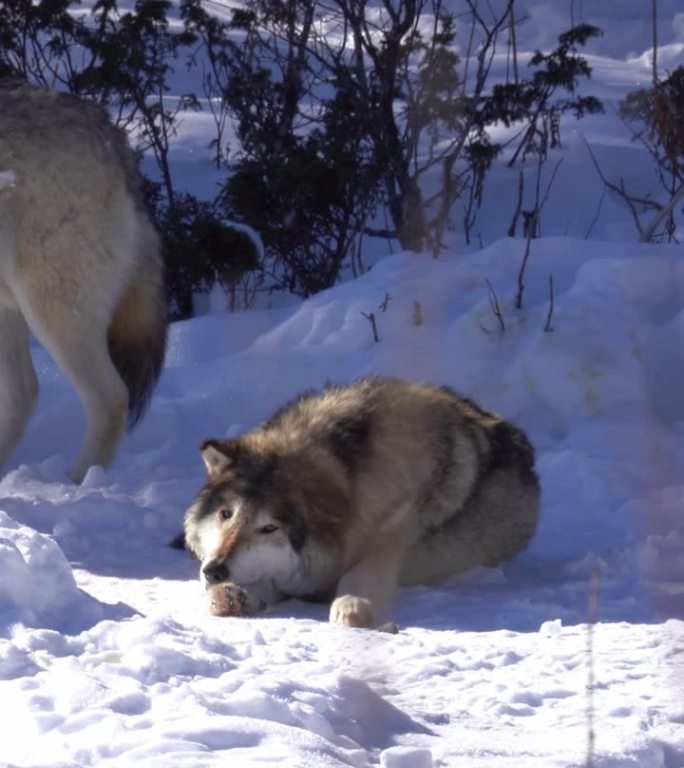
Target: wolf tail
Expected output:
[138,328]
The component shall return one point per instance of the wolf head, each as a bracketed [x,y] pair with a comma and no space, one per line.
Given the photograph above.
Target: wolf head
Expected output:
[260,512]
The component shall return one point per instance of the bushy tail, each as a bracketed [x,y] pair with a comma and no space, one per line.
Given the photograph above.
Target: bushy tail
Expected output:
[137,335]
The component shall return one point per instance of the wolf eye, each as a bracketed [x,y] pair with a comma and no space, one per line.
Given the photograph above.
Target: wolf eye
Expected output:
[225,513]
[270,528]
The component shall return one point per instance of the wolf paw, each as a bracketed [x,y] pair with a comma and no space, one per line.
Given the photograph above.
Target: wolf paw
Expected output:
[227,600]
[352,611]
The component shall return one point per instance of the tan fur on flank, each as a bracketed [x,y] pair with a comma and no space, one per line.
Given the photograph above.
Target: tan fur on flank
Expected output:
[346,493]
[79,267]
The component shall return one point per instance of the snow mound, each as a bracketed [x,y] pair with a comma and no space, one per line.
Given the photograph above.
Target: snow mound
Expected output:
[37,586]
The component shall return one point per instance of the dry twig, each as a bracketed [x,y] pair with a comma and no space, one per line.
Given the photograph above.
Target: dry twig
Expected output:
[370,316]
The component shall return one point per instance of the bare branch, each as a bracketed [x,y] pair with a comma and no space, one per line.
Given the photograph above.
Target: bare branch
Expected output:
[533,224]
[649,231]
[518,206]
[370,316]
[547,326]
[622,193]
[550,184]
[496,308]
[597,214]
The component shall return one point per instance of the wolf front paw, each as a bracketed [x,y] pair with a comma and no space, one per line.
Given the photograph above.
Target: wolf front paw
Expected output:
[227,600]
[352,611]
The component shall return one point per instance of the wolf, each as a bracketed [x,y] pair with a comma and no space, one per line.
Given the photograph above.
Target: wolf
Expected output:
[348,492]
[80,267]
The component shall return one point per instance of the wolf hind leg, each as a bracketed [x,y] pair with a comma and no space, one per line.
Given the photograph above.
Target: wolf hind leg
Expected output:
[103,395]
[367,587]
[73,329]
[105,400]
[496,525]
[18,382]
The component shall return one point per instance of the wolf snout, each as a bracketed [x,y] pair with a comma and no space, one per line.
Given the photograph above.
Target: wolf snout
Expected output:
[215,572]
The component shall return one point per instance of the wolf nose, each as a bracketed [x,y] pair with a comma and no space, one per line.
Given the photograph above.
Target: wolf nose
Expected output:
[216,572]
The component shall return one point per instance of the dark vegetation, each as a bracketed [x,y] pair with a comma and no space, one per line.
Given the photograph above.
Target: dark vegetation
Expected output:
[340,111]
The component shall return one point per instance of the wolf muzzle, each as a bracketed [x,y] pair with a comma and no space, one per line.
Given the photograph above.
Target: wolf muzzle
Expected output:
[215,572]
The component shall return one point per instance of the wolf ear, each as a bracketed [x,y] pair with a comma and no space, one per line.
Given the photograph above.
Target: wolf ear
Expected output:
[218,456]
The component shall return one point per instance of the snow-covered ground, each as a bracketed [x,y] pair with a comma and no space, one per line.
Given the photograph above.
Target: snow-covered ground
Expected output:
[108,658]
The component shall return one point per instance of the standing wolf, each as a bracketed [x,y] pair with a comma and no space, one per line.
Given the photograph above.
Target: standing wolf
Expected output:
[79,266]
[346,493]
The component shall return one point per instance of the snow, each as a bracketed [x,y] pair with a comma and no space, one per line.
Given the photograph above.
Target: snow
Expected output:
[108,656]
[7,179]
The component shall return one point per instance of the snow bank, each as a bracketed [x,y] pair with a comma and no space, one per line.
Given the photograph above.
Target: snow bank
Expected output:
[485,665]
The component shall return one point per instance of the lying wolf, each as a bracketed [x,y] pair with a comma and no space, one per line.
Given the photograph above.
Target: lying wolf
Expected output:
[346,493]
[79,267]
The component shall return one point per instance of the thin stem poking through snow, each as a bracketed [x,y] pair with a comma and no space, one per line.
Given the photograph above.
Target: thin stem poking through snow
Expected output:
[547,326]
[496,307]
[370,316]
[533,227]
[594,587]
